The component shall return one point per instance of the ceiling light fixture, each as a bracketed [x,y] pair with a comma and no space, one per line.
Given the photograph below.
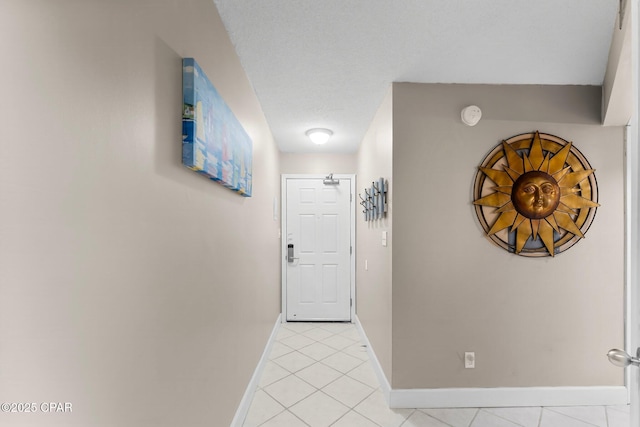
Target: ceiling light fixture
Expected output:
[319,136]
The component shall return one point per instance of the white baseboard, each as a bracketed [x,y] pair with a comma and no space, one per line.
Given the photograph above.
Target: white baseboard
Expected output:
[503,397]
[492,397]
[245,403]
[377,368]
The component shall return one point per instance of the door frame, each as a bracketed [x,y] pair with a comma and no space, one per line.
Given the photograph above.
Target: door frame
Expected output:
[283,240]
[632,212]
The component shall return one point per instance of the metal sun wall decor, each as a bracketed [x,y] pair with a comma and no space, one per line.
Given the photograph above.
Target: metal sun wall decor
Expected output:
[214,143]
[535,195]
[374,201]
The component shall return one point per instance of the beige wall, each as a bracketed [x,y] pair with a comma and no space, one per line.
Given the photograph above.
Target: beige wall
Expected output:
[130,286]
[531,322]
[374,288]
[317,163]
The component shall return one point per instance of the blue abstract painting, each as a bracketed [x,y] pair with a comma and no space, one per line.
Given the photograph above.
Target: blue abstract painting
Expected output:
[214,143]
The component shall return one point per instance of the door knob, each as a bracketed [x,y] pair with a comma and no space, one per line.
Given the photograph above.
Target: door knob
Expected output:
[622,359]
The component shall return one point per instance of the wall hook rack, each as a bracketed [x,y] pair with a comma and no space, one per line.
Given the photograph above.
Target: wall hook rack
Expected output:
[375,200]
[376,189]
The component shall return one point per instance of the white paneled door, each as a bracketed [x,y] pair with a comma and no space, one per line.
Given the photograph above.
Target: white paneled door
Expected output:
[317,245]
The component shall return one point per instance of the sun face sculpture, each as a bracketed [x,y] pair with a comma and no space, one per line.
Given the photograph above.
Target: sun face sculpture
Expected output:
[538,192]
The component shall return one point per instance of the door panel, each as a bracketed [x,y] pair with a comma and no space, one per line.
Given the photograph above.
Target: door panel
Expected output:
[318,225]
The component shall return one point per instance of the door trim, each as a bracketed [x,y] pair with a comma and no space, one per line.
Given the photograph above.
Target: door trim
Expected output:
[283,240]
[632,231]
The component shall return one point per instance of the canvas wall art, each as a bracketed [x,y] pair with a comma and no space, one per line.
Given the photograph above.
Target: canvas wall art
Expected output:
[214,143]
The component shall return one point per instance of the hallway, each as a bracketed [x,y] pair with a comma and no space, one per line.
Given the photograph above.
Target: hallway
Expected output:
[319,374]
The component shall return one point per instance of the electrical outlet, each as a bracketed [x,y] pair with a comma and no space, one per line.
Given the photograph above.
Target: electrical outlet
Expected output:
[469,360]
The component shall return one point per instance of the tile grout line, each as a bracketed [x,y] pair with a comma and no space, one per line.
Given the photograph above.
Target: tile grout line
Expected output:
[266,421]
[617,408]
[506,419]
[280,413]
[444,422]
[410,415]
[363,415]
[474,417]
[540,416]
[301,420]
[550,408]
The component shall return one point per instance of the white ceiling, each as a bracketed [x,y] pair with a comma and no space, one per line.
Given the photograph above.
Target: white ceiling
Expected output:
[329,63]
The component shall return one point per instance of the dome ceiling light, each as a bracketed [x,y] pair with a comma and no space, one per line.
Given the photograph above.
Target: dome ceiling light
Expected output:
[319,136]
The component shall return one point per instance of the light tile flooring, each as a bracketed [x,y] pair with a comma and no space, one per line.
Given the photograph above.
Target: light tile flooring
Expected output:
[319,374]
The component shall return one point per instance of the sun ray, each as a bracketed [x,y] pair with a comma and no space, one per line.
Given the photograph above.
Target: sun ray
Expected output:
[564,208]
[495,200]
[574,178]
[546,235]
[552,222]
[561,173]
[513,174]
[578,202]
[519,220]
[506,189]
[544,167]
[536,156]
[505,220]
[528,167]
[523,233]
[566,191]
[513,159]
[535,224]
[556,164]
[564,221]
[499,177]
[506,208]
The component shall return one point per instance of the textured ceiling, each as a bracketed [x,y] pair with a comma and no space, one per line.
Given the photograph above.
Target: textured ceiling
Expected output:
[329,63]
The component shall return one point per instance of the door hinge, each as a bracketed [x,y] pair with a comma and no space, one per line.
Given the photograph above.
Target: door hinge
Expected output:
[351,197]
[351,302]
[350,250]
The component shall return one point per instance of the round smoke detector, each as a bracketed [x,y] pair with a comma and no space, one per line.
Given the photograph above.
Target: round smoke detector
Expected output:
[471,115]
